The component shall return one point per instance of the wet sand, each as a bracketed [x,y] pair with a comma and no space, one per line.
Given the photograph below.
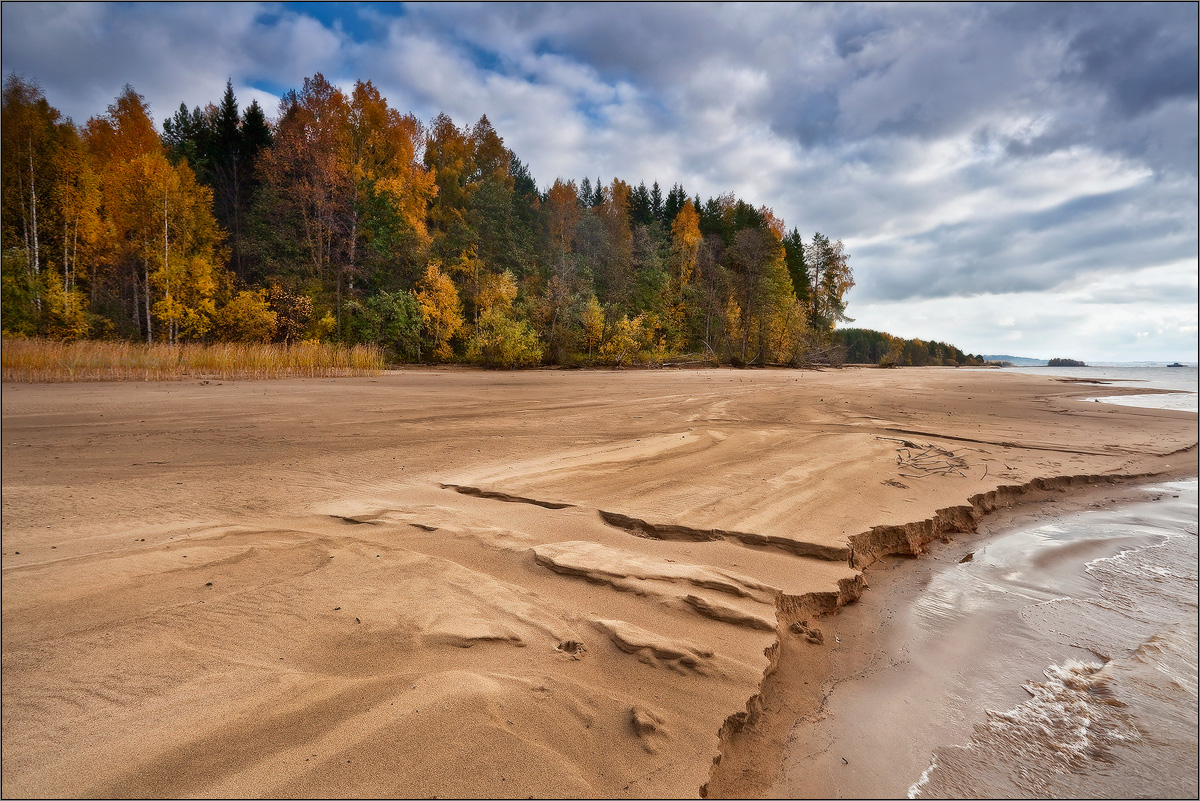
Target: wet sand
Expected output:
[452,582]
[1033,605]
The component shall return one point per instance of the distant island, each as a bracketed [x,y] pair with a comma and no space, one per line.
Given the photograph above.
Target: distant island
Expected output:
[1065,363]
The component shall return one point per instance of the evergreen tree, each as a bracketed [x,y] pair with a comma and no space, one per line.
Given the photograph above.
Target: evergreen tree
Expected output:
[793,245]
[675,200]
[256,134]
[187,136]
[641,211]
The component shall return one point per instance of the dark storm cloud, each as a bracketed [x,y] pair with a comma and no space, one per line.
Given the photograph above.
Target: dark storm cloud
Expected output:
[1140,55]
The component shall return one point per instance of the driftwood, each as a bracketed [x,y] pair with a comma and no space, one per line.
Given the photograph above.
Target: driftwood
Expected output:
[927,460]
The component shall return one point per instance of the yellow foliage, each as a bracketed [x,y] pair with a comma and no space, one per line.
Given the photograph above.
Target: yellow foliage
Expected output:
[441,309]
[323,327]
[66,310]
[497,292]
[685,243]
[562,204]
[501,341]
[247,317]
[592,319]
[163,219]
[384,150]
[628,337]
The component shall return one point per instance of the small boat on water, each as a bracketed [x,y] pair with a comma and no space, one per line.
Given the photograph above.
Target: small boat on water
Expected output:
[1176,364]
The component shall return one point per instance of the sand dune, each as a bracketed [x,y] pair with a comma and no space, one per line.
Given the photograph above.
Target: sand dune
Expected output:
[460,583]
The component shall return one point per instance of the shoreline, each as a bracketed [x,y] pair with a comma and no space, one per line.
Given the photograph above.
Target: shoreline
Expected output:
[570,570]
[798,688]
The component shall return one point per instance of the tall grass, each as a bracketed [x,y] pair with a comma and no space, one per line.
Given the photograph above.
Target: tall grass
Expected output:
[37,360]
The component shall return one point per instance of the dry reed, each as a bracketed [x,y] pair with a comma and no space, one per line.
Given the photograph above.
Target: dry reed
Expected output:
[40,360]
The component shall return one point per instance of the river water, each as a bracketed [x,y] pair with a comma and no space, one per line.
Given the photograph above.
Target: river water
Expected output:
[1120,720]
[1182,380]
[1057,659]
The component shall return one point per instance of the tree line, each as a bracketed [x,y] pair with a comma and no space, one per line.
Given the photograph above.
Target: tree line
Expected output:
[344,220]
[865,346]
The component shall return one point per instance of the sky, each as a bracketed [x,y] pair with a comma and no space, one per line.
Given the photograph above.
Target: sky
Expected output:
[1012,179]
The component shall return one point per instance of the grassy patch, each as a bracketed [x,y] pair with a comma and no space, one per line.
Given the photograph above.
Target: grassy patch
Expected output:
[38,360]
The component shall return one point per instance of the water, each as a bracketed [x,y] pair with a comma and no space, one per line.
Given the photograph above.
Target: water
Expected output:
[1059,660]
[1119,717]
[1180,379]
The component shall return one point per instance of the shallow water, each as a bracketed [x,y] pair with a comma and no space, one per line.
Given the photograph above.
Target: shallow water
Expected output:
[1180,379]
[1120,719]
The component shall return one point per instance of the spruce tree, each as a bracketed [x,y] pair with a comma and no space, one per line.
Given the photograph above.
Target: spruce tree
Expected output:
[656,201]
[793,247]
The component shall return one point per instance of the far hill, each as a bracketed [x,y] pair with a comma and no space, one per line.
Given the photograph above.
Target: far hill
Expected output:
[1017,361]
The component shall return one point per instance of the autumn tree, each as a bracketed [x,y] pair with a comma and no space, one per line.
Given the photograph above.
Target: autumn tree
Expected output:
[309,168]
[30,133]
[450,158]
[500,338]
[563,213]
[592,320]
[762,293]
[614,273]
[393,187]
[163,219]
[626,338]
[685,244]
[830,278]
[441,310]
[247,317]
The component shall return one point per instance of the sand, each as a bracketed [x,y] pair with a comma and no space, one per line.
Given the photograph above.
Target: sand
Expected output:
[464,583]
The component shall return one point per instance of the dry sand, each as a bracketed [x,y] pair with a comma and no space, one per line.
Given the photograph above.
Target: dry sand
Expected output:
[464,583]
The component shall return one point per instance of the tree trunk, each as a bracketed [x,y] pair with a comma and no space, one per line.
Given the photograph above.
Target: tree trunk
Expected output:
[37,267]
[149,319]
[137,313]
[167,272]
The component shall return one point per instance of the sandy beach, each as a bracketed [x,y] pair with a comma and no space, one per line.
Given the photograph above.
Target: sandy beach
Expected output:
[445,582]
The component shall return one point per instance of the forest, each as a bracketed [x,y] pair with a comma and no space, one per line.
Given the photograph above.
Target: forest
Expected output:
[344,220]
[864,346]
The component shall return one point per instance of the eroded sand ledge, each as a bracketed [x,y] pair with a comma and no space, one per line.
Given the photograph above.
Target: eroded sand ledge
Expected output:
[483,584]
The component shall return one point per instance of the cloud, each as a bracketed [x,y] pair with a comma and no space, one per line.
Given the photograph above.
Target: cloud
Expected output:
[1044,326]
[963,152]
[84,54]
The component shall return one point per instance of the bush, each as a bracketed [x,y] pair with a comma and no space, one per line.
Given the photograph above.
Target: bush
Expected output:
[247,317]
[500,341]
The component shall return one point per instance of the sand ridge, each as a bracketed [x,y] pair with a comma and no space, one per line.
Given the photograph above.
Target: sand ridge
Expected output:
[454,582]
